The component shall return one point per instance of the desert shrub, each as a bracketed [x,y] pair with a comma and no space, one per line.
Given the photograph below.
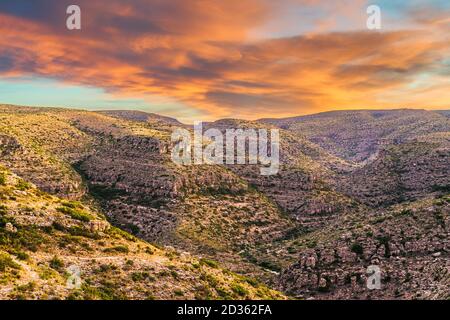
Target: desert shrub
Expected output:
[106,268]
[384,239]
[209,263]
[75,295]
[21,255]
[133,228]
[357,248]
[120,234]
[441,188]
[107,290]
[75,213]
[250,281]
[72,204]
[56,263]
[311,244]
[105,192]
[405,212]
[122,249]
[4,220]
[174,274]
[291,250]
[2,179]
[27,237]
[140,276]
[3,209]
[440,218]
[7,262]
[223,294]
[23,185]
[82,232]
[22,292]
[239,290]
[270,266]
[178,292]
[294,232]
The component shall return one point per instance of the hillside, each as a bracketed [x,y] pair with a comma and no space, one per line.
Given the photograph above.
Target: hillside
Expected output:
[358,135]
[125,166]
[42,235]
[351,184]
[409,243]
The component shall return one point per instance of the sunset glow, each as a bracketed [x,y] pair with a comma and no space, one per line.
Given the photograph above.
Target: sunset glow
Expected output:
[204,60]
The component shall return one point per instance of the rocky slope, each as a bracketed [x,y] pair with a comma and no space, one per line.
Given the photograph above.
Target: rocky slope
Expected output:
[354,188]
[398,216]
[44,240]
[126,167]
[358,135]
[409,243]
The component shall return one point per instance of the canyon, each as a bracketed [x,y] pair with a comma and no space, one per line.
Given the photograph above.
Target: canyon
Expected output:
[354,189]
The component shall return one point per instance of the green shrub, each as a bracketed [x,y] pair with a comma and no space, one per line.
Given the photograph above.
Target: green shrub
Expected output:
[72,204]
[250,281]
[23,185]
[239,290]
[2,179]
[178,292]
[270,266]
[122,249]
[140,276]
[106,291]
[82,232]
[76,214]
[3,209]
[120,234]
[27,237]
[405,212]
[384,239]
[209,263]
[56,263]
[7,262]
[357,248]
[21,255]
[441,188]
[174,274]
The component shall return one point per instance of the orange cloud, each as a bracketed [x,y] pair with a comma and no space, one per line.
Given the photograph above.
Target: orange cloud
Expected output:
[201,53]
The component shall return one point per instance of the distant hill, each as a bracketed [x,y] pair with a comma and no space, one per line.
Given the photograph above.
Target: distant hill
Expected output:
[141,116]
[444,112]
[357,135]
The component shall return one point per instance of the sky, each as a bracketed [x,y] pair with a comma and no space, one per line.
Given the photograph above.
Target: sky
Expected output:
[201,60]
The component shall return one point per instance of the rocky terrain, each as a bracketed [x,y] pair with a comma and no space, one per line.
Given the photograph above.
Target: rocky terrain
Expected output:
[409,243]
[357,135]
[355,188]
[43,237]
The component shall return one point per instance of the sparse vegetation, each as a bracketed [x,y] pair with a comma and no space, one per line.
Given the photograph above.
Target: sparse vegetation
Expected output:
[7,262]
[377,190]
[2,178]
[56,263]
[75,213]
